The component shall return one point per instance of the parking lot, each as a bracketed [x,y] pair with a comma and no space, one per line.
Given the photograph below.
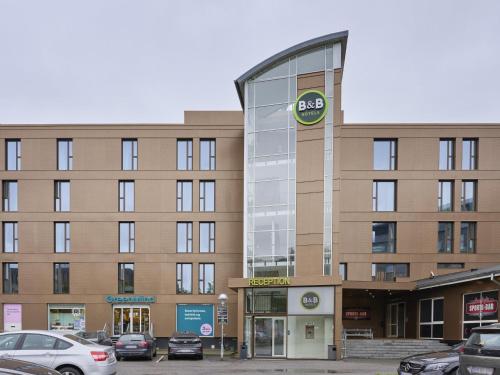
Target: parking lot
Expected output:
[213,365]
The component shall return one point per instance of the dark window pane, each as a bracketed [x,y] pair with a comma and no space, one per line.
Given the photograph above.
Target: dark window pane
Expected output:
[437,331]
[425,310]
[425,331]
[438,310]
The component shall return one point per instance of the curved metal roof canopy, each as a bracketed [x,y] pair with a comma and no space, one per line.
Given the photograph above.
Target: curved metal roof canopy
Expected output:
[295,50]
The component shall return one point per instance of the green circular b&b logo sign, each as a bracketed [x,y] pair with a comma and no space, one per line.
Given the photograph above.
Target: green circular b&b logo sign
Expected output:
[310,300]
[310,108]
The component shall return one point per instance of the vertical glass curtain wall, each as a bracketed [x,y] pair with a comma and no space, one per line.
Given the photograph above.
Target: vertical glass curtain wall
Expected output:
[270,139]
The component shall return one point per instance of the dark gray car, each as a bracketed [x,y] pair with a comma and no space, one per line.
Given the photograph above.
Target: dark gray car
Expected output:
[16,367]
[481,354]
[136,345]
[185,344]
[437,363]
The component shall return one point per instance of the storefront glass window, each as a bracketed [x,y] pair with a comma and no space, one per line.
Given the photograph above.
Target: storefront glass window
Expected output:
[67,317]
[479,309]
[266,300]
[309,336]
[431,318]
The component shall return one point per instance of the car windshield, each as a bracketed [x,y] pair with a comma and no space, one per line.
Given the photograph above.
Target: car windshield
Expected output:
[128,338]
[79,339]
[87,335]
[486,340]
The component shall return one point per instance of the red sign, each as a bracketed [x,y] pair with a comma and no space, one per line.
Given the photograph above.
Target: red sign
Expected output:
[484,306]
[356,314]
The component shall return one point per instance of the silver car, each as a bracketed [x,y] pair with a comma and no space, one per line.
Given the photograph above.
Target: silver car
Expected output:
[66,353]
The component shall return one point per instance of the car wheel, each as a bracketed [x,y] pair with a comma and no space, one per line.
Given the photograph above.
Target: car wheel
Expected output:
[154,354]
[170,357]
[200,357]
[69,371]
[149,357]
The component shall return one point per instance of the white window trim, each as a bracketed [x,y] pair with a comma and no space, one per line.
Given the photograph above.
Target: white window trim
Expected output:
[432,322]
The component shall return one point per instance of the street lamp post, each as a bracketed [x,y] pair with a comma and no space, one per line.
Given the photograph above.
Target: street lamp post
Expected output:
[222,317]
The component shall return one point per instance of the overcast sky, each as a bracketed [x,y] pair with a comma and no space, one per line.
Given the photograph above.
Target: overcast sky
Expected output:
[102,61]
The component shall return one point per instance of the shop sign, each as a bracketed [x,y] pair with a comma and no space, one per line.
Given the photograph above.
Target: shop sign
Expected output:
[481,306]
[310,300]
[197,318]
[130,299]
[12,317]
[356,314]
[310,108]
[266,281]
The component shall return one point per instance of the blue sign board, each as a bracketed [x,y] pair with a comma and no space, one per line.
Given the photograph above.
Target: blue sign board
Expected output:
[197,318]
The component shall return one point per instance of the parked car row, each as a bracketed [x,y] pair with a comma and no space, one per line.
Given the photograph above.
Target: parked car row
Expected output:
[479,355]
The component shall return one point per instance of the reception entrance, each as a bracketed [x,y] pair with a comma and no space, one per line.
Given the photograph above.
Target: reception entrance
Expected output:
[130,318]
[269,336]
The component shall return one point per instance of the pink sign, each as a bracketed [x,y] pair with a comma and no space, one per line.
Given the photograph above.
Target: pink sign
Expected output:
[12,317]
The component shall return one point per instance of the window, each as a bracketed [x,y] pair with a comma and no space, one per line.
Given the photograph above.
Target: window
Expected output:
[8,342]
[450,266]
[389,272]
[184,196]
[184,154]
[125,278]
[34,341]
[129,154]
[431,318]
[9,195]
[385,154]
[62,243]
[343,271]
[207,195]
[445,196]
[479,309]
[184,278]
[127,237]
[469,153]
[469,195]
[10,284]
[384,237]
[468,237]
[62,196]
[61,278]
[64,154]
[446,154]
[185,237]
[13,154]
[10,237]
[207,154]
[206,282]
[207,237]
[384,195]
[445,237]
[126,200]
[266,300]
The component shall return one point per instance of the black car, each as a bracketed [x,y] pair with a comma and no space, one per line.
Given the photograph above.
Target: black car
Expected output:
[98,337]
[185,344]
[14,366]
[482,351]
[436,363]
[135,345]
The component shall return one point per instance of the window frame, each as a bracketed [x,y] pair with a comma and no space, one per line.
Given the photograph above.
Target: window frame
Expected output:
[179,276]
[58,196]
[447,241]
[202,281]
[17,141]
[467,250]
[450,154]
[432,323]
[134,157]
[58,277]
[472,163]
[122,195]
[393,153]
[180,195]
[69,153]
[131,237]
[343,271]
[67,236]
[6,195]
[211,240]
[395,271]
[376,198]
[7,276]
[188,157]
[212,154]
[122,278]
[440,195]
[465,190]
[203,195]
[462,266]
[394,238]
[481,321]
[14,239]
[188,241]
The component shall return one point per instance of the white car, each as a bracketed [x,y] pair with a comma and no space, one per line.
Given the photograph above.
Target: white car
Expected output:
[67,353]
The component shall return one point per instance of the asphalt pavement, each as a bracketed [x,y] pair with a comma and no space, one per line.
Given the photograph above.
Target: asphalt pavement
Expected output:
[213,366]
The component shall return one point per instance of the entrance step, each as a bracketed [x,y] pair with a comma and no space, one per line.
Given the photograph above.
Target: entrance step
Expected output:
[388,348]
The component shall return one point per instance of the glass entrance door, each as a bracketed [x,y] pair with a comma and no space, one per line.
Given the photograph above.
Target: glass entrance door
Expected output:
[269,336]
[130,319]
[396,319]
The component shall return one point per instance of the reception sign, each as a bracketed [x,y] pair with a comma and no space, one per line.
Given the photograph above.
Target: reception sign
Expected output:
[12,317]
[197,318]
